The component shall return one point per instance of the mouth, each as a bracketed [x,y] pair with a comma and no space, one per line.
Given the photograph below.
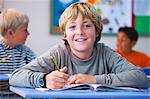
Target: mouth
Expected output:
[80,39]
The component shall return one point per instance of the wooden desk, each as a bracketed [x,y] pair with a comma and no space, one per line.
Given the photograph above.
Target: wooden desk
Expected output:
[82,94]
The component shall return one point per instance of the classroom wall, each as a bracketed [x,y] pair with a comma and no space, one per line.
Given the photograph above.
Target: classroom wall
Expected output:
[40,39]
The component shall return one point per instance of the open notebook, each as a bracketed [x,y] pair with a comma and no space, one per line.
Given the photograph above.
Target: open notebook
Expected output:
[95,87]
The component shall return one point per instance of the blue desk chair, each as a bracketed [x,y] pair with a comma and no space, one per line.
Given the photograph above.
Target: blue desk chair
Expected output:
[147,71]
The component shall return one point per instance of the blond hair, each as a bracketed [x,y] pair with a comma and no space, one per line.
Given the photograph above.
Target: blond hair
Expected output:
[11,19]
[87,11]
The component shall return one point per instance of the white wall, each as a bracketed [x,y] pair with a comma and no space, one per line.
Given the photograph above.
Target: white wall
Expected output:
[40,39]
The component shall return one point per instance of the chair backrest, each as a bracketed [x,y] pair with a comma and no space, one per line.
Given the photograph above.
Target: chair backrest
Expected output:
[147,71]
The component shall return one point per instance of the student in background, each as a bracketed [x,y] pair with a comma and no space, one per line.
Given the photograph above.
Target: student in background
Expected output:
[81,59]
[127,38]
[13,53]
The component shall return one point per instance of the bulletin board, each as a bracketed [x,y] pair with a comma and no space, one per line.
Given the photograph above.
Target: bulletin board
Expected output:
[142,25]
[142,16]
[1,5]
[114,13]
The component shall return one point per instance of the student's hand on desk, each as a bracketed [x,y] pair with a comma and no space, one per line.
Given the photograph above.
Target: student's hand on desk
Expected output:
[81,79]
[56,79]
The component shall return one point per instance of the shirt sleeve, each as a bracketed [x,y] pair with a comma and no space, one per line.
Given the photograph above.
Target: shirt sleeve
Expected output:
[29,74]
[121,72]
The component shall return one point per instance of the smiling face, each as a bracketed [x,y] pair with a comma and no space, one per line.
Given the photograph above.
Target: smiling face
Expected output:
[81,35]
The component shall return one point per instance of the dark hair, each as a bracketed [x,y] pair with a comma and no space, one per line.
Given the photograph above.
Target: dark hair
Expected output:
[131,33]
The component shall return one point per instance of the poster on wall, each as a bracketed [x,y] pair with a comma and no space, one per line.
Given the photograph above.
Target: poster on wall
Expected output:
[1,5]
[114,13]
[142,7]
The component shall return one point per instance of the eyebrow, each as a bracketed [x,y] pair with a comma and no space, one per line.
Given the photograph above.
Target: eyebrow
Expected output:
[87,22]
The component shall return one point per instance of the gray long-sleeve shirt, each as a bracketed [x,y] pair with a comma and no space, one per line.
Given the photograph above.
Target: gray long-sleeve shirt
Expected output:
[105,64]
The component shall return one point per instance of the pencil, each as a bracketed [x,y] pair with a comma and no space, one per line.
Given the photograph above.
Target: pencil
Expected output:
[3,59]
[55,64]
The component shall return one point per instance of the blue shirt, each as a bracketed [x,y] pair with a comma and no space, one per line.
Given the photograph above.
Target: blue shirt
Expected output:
[14,58]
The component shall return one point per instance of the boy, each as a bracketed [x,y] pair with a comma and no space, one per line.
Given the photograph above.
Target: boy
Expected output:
[127,38]
[81,59]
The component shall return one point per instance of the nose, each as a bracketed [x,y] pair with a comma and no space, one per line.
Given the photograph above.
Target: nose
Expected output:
[117,40]
[28,33]
[79,31]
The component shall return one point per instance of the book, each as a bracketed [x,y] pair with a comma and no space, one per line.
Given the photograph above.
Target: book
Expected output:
[95,87]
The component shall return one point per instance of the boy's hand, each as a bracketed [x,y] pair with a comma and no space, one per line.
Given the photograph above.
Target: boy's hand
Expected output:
[56,79]
[81,79]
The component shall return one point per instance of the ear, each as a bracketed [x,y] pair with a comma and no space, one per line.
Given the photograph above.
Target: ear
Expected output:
[133,43]
[10,32]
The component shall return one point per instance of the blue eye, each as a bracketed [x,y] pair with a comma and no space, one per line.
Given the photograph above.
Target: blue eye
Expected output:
[72,27]
[87,25]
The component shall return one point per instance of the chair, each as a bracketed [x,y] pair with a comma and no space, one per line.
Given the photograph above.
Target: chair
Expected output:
[147,71]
